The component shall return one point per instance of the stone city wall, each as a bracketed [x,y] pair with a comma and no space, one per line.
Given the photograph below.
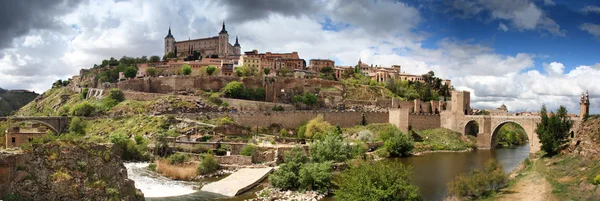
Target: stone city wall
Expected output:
[293,119]
[403,119]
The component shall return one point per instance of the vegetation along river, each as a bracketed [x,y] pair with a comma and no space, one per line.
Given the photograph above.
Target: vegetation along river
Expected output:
[432,172]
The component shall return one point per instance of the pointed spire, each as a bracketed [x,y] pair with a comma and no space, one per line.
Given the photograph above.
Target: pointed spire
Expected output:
[169,34]
[237,44]
[169,30]
[223,31]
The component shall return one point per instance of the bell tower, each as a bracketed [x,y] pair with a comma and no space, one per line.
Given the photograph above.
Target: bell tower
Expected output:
[223,42]
[584,105]
[169,43]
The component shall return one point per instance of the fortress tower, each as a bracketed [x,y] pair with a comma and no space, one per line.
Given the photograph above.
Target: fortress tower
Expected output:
[584,105]
[223,42]
[169,43]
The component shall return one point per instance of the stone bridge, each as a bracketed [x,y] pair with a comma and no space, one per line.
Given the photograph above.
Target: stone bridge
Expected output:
[488,127]
[57,124]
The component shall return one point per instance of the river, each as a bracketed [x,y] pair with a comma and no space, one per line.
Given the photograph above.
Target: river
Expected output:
[432,173]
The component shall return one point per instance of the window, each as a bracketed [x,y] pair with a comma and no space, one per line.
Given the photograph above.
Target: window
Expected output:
[13,140]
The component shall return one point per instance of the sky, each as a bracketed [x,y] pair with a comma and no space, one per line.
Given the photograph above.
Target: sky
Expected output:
[521,53]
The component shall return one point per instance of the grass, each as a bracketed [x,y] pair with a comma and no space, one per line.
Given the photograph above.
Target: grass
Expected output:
[61,175]
[177,171]
[443,139]
[139,124]
[571,176]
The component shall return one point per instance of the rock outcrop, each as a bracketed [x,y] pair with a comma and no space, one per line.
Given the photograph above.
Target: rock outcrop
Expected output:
[66,171]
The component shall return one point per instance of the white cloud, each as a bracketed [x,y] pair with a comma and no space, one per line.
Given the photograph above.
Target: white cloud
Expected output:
[33,41]
[549,3]
[502,27]
[593,29]
[554,68]
[591,9]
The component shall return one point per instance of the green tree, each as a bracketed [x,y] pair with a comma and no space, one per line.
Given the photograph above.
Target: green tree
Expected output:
[130,72]
[285,72]
[267,71]
[77,126]
[151,71]
[332,148]
[233,89]
[248,150]
[399,144]
[186,69]
[210,70]
[154,59]
[553,130]
[382,181]
[116,94]
[479,183]
[85,109]
[315,176]
[208,165]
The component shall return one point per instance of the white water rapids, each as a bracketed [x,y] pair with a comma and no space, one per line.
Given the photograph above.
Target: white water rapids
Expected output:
[155,185]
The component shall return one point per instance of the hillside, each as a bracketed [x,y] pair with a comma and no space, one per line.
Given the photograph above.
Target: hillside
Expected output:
[12,100]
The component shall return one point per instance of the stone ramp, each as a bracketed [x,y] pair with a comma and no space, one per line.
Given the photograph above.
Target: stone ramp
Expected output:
[238,182]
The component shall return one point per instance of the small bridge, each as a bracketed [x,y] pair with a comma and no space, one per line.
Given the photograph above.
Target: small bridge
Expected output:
[58,124]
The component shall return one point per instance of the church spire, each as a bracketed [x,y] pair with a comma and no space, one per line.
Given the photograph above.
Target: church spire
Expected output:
[223,31]
[237,44]
[169,34]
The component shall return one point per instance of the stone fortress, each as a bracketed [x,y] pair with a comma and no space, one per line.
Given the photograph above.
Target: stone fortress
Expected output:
[216,46]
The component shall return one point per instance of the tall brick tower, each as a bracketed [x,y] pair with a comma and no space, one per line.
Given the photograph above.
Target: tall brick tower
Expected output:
[584,105]
[223,42]
[169,43]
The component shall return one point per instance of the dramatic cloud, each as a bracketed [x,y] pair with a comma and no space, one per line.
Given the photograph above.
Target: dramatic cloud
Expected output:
[20,17]
[593,29]
[522,15]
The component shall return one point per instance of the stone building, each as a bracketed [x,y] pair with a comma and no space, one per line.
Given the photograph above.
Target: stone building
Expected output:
[225,67]
[584,105]
[17,136]
[274,61]
[317,64]
[211,47]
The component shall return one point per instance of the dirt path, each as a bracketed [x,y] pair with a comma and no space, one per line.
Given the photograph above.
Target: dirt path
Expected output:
[532,187]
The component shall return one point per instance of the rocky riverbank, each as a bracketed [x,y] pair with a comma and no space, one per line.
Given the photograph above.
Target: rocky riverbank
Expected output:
[61,170]
[269,194]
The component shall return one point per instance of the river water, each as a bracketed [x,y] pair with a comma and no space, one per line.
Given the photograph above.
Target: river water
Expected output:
[432,173]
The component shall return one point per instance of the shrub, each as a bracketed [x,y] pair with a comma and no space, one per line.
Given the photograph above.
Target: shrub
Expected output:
[332,148]
[77,126]
[200,148]
[152,167]
[399,144]
[382,180]
[186,69]
[130,72]
[131,150]
[210,70]
[365,136]
[284,177]
[116,94]
[221,152]
[316,127]
[596,180]
[315,176]
[248,150]
[283,132]
[278,108]
[85,109]
[84,93]
[177,158]
[478,183]
[151,71]
[233,89]
[215,98]
[225,104]
[208,165]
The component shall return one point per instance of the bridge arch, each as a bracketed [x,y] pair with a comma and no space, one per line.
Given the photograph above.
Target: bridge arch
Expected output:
[472,128]
[494,135]
[50,126]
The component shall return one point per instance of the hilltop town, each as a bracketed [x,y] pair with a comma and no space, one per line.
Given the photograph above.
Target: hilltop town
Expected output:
[206,109]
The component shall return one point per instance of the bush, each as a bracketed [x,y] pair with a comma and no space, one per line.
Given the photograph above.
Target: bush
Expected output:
[77,126]
[278,108]
[382,180]
[315,176]
[84,93]
[596,180]
[151,71]
[152,167]
[210,70]
[233,89]
[85,109]
[116,94]
[208,165]
[399,144]
[332,148]
[315,128]
[200,148]
[478,183]
[286,177]
[215,98]
[130,72]
[186,69]
[248,150]
[131,150]
[221,152]
[365,136]
[177,158]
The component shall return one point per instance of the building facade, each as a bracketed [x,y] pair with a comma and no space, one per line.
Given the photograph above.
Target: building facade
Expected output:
[211,47]
[317,64]
[274,61]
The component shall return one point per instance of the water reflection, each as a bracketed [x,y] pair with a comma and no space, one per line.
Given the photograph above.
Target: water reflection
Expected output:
[433,171]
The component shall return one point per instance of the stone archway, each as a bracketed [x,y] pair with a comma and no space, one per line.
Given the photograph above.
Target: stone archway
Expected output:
[494,135]
[50,126]
[472,128]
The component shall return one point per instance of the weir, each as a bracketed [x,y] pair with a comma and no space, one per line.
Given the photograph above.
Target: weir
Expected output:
[238,182]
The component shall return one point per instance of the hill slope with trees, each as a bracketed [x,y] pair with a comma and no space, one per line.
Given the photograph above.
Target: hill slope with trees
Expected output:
[11,100]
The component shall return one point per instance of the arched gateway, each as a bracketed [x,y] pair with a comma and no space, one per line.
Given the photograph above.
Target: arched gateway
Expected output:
[490,125]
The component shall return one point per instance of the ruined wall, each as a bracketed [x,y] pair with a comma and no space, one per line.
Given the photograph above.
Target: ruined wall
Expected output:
[234,160]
